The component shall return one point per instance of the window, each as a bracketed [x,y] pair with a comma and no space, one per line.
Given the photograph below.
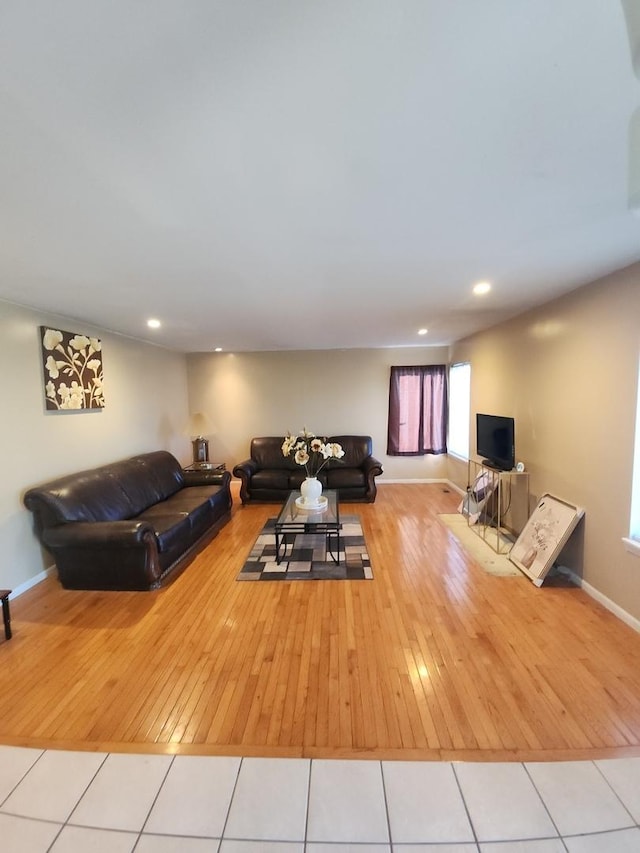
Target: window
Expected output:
[635,499]
[459,408]
[633,542]
[417,410]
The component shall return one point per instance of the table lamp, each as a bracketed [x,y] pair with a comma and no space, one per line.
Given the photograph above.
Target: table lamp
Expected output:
[199,425]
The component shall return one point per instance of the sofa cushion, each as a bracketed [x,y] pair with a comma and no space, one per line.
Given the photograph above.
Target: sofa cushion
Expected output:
[345,478]
[86,496]
[161,469]
[271,478]
[172,530]
[266,451]
[202,494]
[141,490]
[357,448]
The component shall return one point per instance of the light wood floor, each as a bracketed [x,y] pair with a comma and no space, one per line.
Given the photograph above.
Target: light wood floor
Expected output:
[432,659]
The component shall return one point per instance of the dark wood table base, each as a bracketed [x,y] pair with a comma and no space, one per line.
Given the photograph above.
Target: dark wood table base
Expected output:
[6,615]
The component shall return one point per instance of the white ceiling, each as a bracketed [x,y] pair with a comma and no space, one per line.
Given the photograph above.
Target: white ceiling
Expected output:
[311,174]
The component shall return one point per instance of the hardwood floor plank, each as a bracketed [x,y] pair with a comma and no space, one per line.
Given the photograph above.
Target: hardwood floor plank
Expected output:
[432,659]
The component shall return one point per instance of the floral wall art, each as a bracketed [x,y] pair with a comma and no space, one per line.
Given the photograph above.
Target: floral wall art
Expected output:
[544,535]
[72,366]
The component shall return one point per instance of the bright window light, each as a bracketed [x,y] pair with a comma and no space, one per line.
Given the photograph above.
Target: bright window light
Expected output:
[634,527]
[459,408]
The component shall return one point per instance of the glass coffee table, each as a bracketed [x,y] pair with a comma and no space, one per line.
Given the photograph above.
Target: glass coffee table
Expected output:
[293,520]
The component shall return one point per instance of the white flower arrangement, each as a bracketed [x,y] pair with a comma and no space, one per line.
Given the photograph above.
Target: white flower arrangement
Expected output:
[310,451]
[79,359]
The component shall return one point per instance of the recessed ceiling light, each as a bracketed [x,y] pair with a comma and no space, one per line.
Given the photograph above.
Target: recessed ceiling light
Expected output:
[218,349]
[422,331]
[481,288]
[153,324]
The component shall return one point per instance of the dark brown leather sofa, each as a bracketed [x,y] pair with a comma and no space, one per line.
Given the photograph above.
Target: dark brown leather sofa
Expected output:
[269,476]
[131,525]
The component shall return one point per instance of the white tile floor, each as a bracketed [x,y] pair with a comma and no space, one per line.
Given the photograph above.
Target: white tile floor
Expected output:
[83,802]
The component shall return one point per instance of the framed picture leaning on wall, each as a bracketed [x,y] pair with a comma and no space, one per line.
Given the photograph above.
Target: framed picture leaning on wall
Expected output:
[544,535]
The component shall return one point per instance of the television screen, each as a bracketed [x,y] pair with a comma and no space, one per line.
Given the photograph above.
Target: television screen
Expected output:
[495,441]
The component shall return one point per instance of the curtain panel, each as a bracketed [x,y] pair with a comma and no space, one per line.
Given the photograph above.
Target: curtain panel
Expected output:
[417,410]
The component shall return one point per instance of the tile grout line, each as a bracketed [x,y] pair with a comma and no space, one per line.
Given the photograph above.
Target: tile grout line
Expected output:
[386,806]
[233,793]
[523,764]
[615,793]
[306,817]
[464,803]
[155,800]
[66,823]
[23,777]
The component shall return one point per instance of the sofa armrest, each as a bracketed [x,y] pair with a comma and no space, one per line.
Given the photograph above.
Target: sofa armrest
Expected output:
[105,554]
[249,467]
[99,534]
[372,466]
[245,471]
[206,477]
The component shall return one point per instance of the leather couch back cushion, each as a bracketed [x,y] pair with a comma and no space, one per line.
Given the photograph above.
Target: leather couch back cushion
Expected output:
[110,493]
[356,448]
[159,475]
[86,496]
[267,452]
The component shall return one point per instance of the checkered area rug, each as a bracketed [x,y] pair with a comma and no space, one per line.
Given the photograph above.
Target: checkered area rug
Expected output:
[307,558]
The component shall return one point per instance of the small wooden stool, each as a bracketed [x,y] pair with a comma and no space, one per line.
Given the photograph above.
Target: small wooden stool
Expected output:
[6,615]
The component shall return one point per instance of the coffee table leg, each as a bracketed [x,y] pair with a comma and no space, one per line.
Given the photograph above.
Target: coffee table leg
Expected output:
[331,534]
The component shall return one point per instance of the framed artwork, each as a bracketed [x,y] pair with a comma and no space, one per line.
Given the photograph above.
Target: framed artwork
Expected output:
[543,536]
[72,370]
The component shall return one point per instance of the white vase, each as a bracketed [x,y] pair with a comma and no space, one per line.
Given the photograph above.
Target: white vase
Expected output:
[311,490]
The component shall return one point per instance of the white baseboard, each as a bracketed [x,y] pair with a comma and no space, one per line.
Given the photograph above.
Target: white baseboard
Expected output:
[457,489]
[611,606]
[442,480]
[34,581]
[433,480]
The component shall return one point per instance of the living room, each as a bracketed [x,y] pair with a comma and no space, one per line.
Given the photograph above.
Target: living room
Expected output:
[294,189]
[576,702]
[567,372]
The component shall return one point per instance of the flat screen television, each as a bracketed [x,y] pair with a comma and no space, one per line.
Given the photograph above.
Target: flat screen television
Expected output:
[495,441]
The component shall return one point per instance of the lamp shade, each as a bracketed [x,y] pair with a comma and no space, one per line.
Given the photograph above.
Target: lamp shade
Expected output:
[199,424]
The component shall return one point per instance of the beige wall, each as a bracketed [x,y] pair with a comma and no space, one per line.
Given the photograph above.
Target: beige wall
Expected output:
[330,392]
[146,409]
[568,373]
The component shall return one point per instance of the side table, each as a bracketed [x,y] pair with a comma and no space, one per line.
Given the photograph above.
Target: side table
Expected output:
[205,466]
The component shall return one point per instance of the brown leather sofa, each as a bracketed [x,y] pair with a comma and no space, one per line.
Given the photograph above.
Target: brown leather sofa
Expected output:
[269,476]
[131,525]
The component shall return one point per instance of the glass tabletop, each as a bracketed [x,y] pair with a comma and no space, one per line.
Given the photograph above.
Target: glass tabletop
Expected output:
[292,514]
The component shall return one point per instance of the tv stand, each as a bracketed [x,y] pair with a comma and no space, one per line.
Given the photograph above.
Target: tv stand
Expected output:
[487,463]
[496,504]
